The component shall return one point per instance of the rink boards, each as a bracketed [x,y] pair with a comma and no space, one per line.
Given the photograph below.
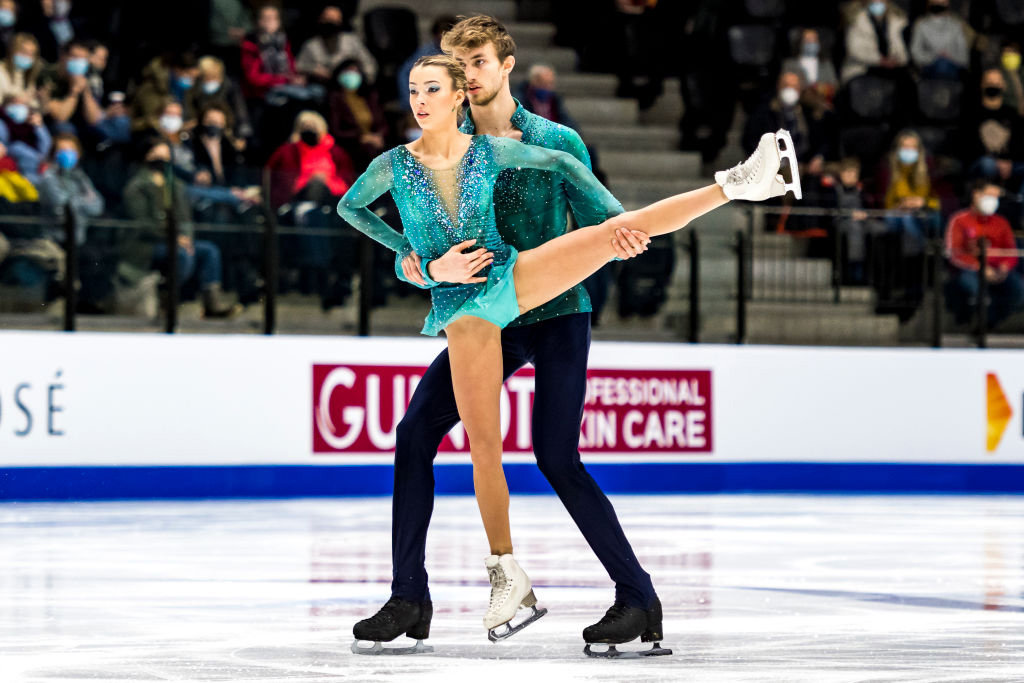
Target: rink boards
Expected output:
[99,416]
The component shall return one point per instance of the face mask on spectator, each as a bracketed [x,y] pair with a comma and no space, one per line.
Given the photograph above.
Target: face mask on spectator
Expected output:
[350,79]
[1011,61]
[328,29]
[789,96]
[212,131]
[17,112]
[210,87]
[61,8]
[183,82]
[170,123]
[67,158]
[310,137]
[877,8]
[988,205]
[908,156]
[936,8]
[810,49]
[79,66]
[6,18]
[23,62]
[156,164]
[992,91]
[542,94]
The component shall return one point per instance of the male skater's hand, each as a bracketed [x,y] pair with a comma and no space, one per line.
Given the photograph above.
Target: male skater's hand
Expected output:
[629,243]
[456,265]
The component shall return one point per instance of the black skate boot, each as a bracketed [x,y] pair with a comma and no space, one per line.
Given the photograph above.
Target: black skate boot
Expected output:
[622,624]
[396,617]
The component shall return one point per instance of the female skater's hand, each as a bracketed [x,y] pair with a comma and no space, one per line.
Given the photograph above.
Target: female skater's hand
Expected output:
[411,269]
[629,243]
[456,265]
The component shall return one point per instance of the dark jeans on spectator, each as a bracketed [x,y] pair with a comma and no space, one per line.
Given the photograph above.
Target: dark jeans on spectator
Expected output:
[1005,297]
[203,263]
[943,69]
[915,230]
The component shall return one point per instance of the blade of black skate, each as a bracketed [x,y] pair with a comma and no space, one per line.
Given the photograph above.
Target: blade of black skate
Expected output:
[613,653]
[378,649]
[512,630]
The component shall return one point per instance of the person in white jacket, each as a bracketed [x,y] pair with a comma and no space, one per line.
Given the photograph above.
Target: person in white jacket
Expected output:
[874,40]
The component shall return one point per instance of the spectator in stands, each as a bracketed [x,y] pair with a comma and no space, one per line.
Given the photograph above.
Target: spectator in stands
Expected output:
[310,173]
[1012,75]
[537,94]
[230,21]
[116,126]
[641,64]
[874,41]
[357,120]
[854,224]
[5,247]
[811,126]
[68,100]
[219,181]
[215,89]
[966,229]
[64,186]
[163,78]
[817,70]
[939,43]
[267,61]
[310,166]
[441,25]
[993,135]
[24,134]
[147,199]
[19,71]
[321,54]
[8,24]
[52,25]
[909,192]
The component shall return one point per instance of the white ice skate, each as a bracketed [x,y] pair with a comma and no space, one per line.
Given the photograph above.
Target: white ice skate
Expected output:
[510,590]
[762,175]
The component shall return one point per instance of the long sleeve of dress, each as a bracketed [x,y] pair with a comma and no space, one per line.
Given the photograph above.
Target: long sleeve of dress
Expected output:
[375,181]
[514,154]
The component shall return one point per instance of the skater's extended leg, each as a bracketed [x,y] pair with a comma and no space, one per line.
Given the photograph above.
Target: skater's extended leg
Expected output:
[474,347]
[550,269]
[555,266]
[560,359]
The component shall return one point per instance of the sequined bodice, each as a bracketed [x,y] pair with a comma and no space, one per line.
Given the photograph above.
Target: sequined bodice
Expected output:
[440,209]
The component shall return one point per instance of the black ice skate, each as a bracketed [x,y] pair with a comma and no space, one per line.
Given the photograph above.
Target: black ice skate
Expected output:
[396,617]
[622,624]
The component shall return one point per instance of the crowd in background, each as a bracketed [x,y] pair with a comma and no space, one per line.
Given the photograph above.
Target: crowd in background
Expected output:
[915,107]
[194,108]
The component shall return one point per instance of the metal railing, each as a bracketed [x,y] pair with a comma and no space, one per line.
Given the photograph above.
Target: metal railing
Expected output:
[768,269]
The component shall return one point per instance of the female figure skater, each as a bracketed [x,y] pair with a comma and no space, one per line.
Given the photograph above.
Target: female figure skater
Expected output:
[443,185]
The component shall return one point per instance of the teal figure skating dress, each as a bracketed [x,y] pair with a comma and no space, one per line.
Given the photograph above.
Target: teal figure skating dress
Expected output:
[441,208]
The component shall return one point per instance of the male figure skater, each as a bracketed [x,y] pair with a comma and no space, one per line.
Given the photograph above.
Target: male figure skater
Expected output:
[531,208]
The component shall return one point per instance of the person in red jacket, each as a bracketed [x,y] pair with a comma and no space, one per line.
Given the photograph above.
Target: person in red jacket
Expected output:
[966,229]
[267,60]
[310,173]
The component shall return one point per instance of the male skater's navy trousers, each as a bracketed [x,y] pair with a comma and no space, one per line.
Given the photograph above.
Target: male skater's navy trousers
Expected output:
[558,348]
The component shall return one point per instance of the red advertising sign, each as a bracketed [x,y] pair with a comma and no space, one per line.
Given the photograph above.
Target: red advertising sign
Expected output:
[356,409]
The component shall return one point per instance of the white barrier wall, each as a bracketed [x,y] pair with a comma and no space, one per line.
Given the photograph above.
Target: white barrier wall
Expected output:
[107,399]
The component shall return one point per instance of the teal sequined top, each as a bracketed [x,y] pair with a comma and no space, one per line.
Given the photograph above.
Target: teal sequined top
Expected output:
[442,208]
[531,206]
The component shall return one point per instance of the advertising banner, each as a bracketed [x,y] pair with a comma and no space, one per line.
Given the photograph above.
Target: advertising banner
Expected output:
[109,400]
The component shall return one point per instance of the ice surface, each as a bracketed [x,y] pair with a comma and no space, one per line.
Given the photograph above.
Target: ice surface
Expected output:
[755,588]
